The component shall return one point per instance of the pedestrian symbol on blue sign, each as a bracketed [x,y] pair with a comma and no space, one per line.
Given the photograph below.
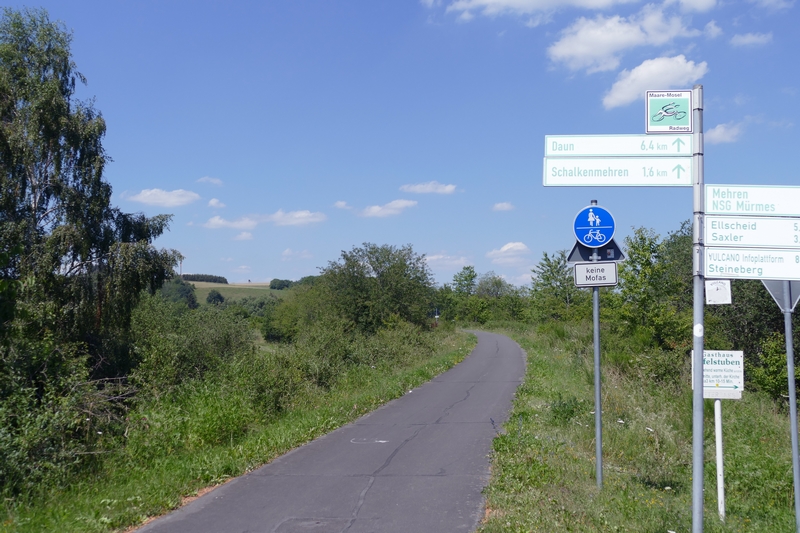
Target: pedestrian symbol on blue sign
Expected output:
[594,226]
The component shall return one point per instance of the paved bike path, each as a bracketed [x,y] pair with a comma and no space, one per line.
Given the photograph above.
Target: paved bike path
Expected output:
[415,465]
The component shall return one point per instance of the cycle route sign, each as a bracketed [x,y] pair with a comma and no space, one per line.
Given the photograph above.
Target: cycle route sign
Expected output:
[594,226]
[668,112]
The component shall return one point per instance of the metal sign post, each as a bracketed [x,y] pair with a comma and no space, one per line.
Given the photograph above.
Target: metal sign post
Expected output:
[598,401]
[698,329]
[786,293]
[787,324]
[594,230]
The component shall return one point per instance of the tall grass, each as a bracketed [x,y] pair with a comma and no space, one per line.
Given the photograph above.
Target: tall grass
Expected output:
[239,410]
[543,474]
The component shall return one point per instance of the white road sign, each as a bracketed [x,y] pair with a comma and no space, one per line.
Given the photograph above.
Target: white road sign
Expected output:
[595,274]
[617,145]
[622,172]
[723,374]
[759,232]
[753,200]
[751,263]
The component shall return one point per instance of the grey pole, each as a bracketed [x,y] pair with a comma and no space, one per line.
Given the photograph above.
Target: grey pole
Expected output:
[598,417]
[698,329]
[787,324]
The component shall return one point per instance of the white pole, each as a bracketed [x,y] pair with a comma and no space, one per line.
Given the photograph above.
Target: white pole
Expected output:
[720,469]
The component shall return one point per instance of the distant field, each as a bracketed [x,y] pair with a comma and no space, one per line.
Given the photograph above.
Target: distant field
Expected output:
[233,291]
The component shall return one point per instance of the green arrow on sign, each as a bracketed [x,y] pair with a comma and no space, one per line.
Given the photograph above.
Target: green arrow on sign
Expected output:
[679,168]
[726,386]
[680,143]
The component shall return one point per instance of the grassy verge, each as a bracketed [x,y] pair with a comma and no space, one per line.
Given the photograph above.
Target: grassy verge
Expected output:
[125,489]
[543,476]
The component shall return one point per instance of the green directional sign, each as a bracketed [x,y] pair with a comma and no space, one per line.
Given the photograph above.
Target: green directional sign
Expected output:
[668,112]
[618,172]
[617,145]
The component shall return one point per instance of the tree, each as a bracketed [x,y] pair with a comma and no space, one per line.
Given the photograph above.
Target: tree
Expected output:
[177,290]
[464,281]
[75,255]
[490,285]
[214,297]
[553,289]
[372,286]
[642,275]
[280,284]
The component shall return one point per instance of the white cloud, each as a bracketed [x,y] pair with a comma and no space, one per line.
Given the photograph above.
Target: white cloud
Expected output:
[712,31]
[226,259]
[289,254]
[538,20]
[660,73]
[164,198]
[751,39]
[279,218]
[212,181]
[512,253]
[502,206]
[430,3]
[341,204]
[446,261]
[429,187]
[244,236]
[724,133]
[295,218]
[596,44]
[217,222]
[243,269]
[395,207]
[773,5]
[493,8]
[216,204]
[695,5]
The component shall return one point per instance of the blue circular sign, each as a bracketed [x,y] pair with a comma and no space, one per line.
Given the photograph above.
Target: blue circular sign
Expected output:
[594,226]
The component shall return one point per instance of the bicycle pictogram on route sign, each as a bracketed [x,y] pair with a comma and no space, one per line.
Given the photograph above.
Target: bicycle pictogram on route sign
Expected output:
[594,226]
[668,112]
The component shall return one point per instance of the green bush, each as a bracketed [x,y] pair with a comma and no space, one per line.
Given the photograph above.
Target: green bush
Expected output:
[51,428]
[174,345]
[771,375]
[214,297]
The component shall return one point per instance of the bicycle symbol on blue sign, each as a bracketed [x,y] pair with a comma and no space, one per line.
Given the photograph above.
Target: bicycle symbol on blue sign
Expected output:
[594,226]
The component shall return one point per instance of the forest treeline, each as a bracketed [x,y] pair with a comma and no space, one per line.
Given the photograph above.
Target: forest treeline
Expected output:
[209,278]
[105,351]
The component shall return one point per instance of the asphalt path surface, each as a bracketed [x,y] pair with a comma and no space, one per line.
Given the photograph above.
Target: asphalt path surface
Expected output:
[416,465]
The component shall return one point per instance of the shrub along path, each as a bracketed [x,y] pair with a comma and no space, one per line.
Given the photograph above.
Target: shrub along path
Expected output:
[418,463]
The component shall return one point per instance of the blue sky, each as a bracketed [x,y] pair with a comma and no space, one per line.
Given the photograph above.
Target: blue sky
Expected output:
[280,133]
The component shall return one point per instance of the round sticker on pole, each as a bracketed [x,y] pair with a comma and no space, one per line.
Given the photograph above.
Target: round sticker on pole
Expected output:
[594,226]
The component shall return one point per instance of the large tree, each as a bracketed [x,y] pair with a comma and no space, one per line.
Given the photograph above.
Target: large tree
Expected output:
[371,286]
[68,249]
